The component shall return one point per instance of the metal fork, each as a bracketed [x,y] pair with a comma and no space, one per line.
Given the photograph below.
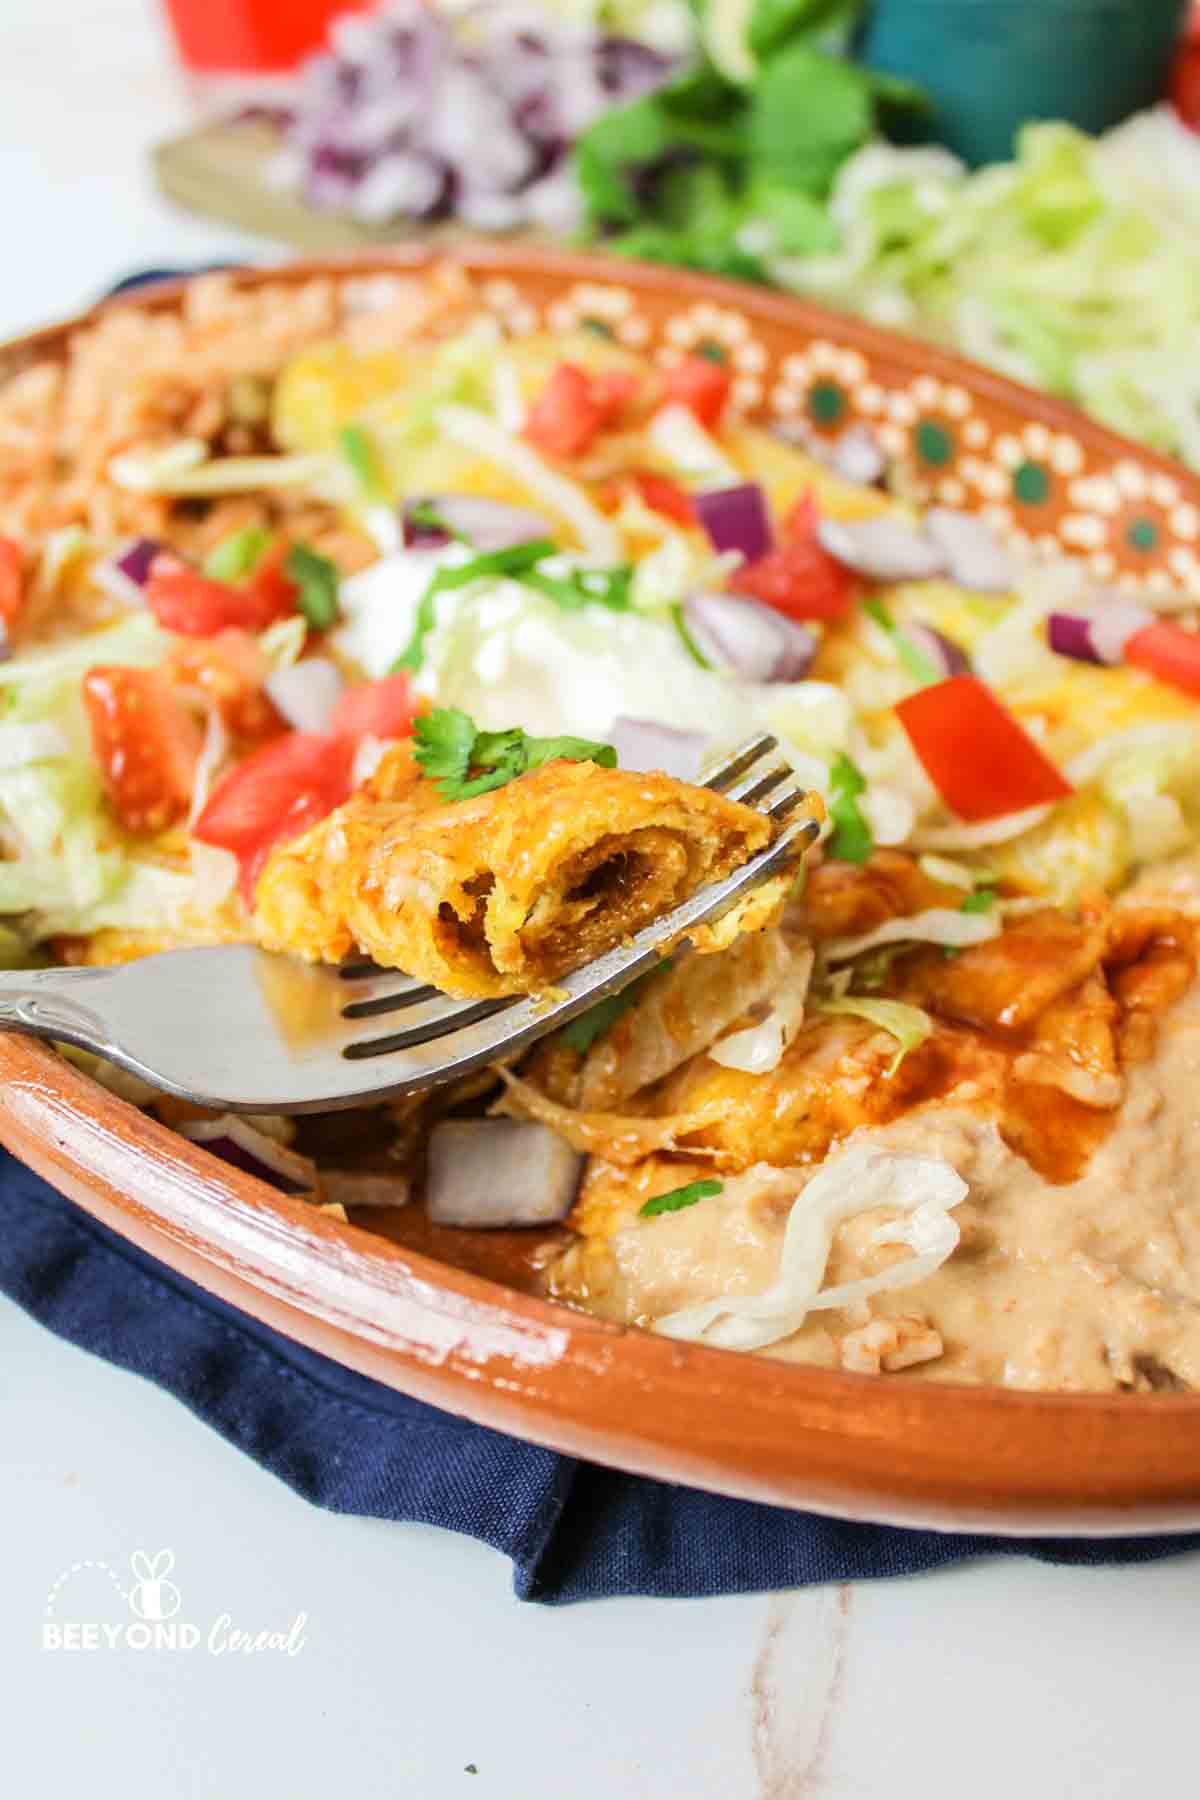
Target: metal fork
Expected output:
[245,1030]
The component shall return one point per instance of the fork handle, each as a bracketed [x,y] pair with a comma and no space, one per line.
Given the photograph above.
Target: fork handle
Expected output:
[44,1003]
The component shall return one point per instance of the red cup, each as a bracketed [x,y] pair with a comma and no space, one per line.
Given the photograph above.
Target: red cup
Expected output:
[242,37]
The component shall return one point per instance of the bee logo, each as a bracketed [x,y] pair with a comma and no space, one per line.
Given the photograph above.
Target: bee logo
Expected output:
[153,1597]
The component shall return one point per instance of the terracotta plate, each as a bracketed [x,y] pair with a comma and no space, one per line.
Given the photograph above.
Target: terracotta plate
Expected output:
[862,1447]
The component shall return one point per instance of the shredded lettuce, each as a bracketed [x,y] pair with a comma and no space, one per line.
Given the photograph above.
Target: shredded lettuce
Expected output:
[922,1190]
[1076,267]
[938,925]
[72,871]
[909,1025]
[473,430]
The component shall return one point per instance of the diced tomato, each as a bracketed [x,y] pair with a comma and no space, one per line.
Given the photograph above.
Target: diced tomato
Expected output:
[12,581]
[270,589]
[378,709]
[1183,88]
[662,495]
[275,794]
[146,743]
[612,392]
[230,669]
[1169,652]
[700,384]
[980,760]
[574,407]
[193,605]
[798,577]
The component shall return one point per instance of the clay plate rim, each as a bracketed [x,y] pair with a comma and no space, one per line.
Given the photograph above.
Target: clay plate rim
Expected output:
[955,1457]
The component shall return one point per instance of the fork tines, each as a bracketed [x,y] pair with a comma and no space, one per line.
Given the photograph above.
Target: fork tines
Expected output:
[753,775]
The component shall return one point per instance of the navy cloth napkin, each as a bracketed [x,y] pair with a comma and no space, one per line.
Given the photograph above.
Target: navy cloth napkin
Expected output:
[573,1531]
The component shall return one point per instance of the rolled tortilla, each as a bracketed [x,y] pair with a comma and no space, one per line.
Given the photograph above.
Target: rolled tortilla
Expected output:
[503,893]
[679,1015]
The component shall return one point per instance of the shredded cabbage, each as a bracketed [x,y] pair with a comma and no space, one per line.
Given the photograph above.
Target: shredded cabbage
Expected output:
[909,1025]
[682,565]
[73,872]
[162,472]
[978,837]
[956,930]
[1076,267]
[921,1188]
[677,435]
[476,432]
[757,1049]
[1151,775]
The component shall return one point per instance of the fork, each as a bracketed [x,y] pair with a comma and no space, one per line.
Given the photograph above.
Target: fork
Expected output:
[247,1030]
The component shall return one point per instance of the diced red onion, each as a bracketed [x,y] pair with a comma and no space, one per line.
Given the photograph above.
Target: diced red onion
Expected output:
[306,693]
[884,548]
[1070,634]
[736,518]
[486,524]
[237,1142]
[1098,637]
[856,457]
[493,1174]
[644,744]
[136,560]
[975,557]
[750,639]
[947,656]
[125,576]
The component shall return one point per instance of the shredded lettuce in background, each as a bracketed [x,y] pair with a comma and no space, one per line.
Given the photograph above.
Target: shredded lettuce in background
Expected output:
[1075,268]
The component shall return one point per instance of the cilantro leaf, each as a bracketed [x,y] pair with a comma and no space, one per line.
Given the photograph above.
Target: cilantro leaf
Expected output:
[237,555]
[464,761]
[680,1197]
[808,113]
[584,587]
[514,559]
[773,23]
[316,579]
[981,901]
[359,452]
[599,1020]
[851,840]
[539,751]
[443,742]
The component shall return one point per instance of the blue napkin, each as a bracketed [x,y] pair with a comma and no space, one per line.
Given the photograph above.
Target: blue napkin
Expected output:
[573,1531]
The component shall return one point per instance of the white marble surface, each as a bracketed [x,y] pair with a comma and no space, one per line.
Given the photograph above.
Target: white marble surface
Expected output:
[416,1661]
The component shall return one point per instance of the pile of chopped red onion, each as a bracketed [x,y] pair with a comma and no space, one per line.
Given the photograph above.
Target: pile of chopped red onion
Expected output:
[414,115]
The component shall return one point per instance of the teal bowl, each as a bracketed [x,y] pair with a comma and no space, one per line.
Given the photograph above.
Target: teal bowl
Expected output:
[993,65]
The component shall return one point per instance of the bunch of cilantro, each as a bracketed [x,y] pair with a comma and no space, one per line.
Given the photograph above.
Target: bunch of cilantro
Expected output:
[730,164]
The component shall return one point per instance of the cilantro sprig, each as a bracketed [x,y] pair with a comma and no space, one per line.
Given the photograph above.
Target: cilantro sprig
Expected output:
[316,580]
[514,559]
[517,562]
[981,901]
[680,1197]
[851,840]
[463,761]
